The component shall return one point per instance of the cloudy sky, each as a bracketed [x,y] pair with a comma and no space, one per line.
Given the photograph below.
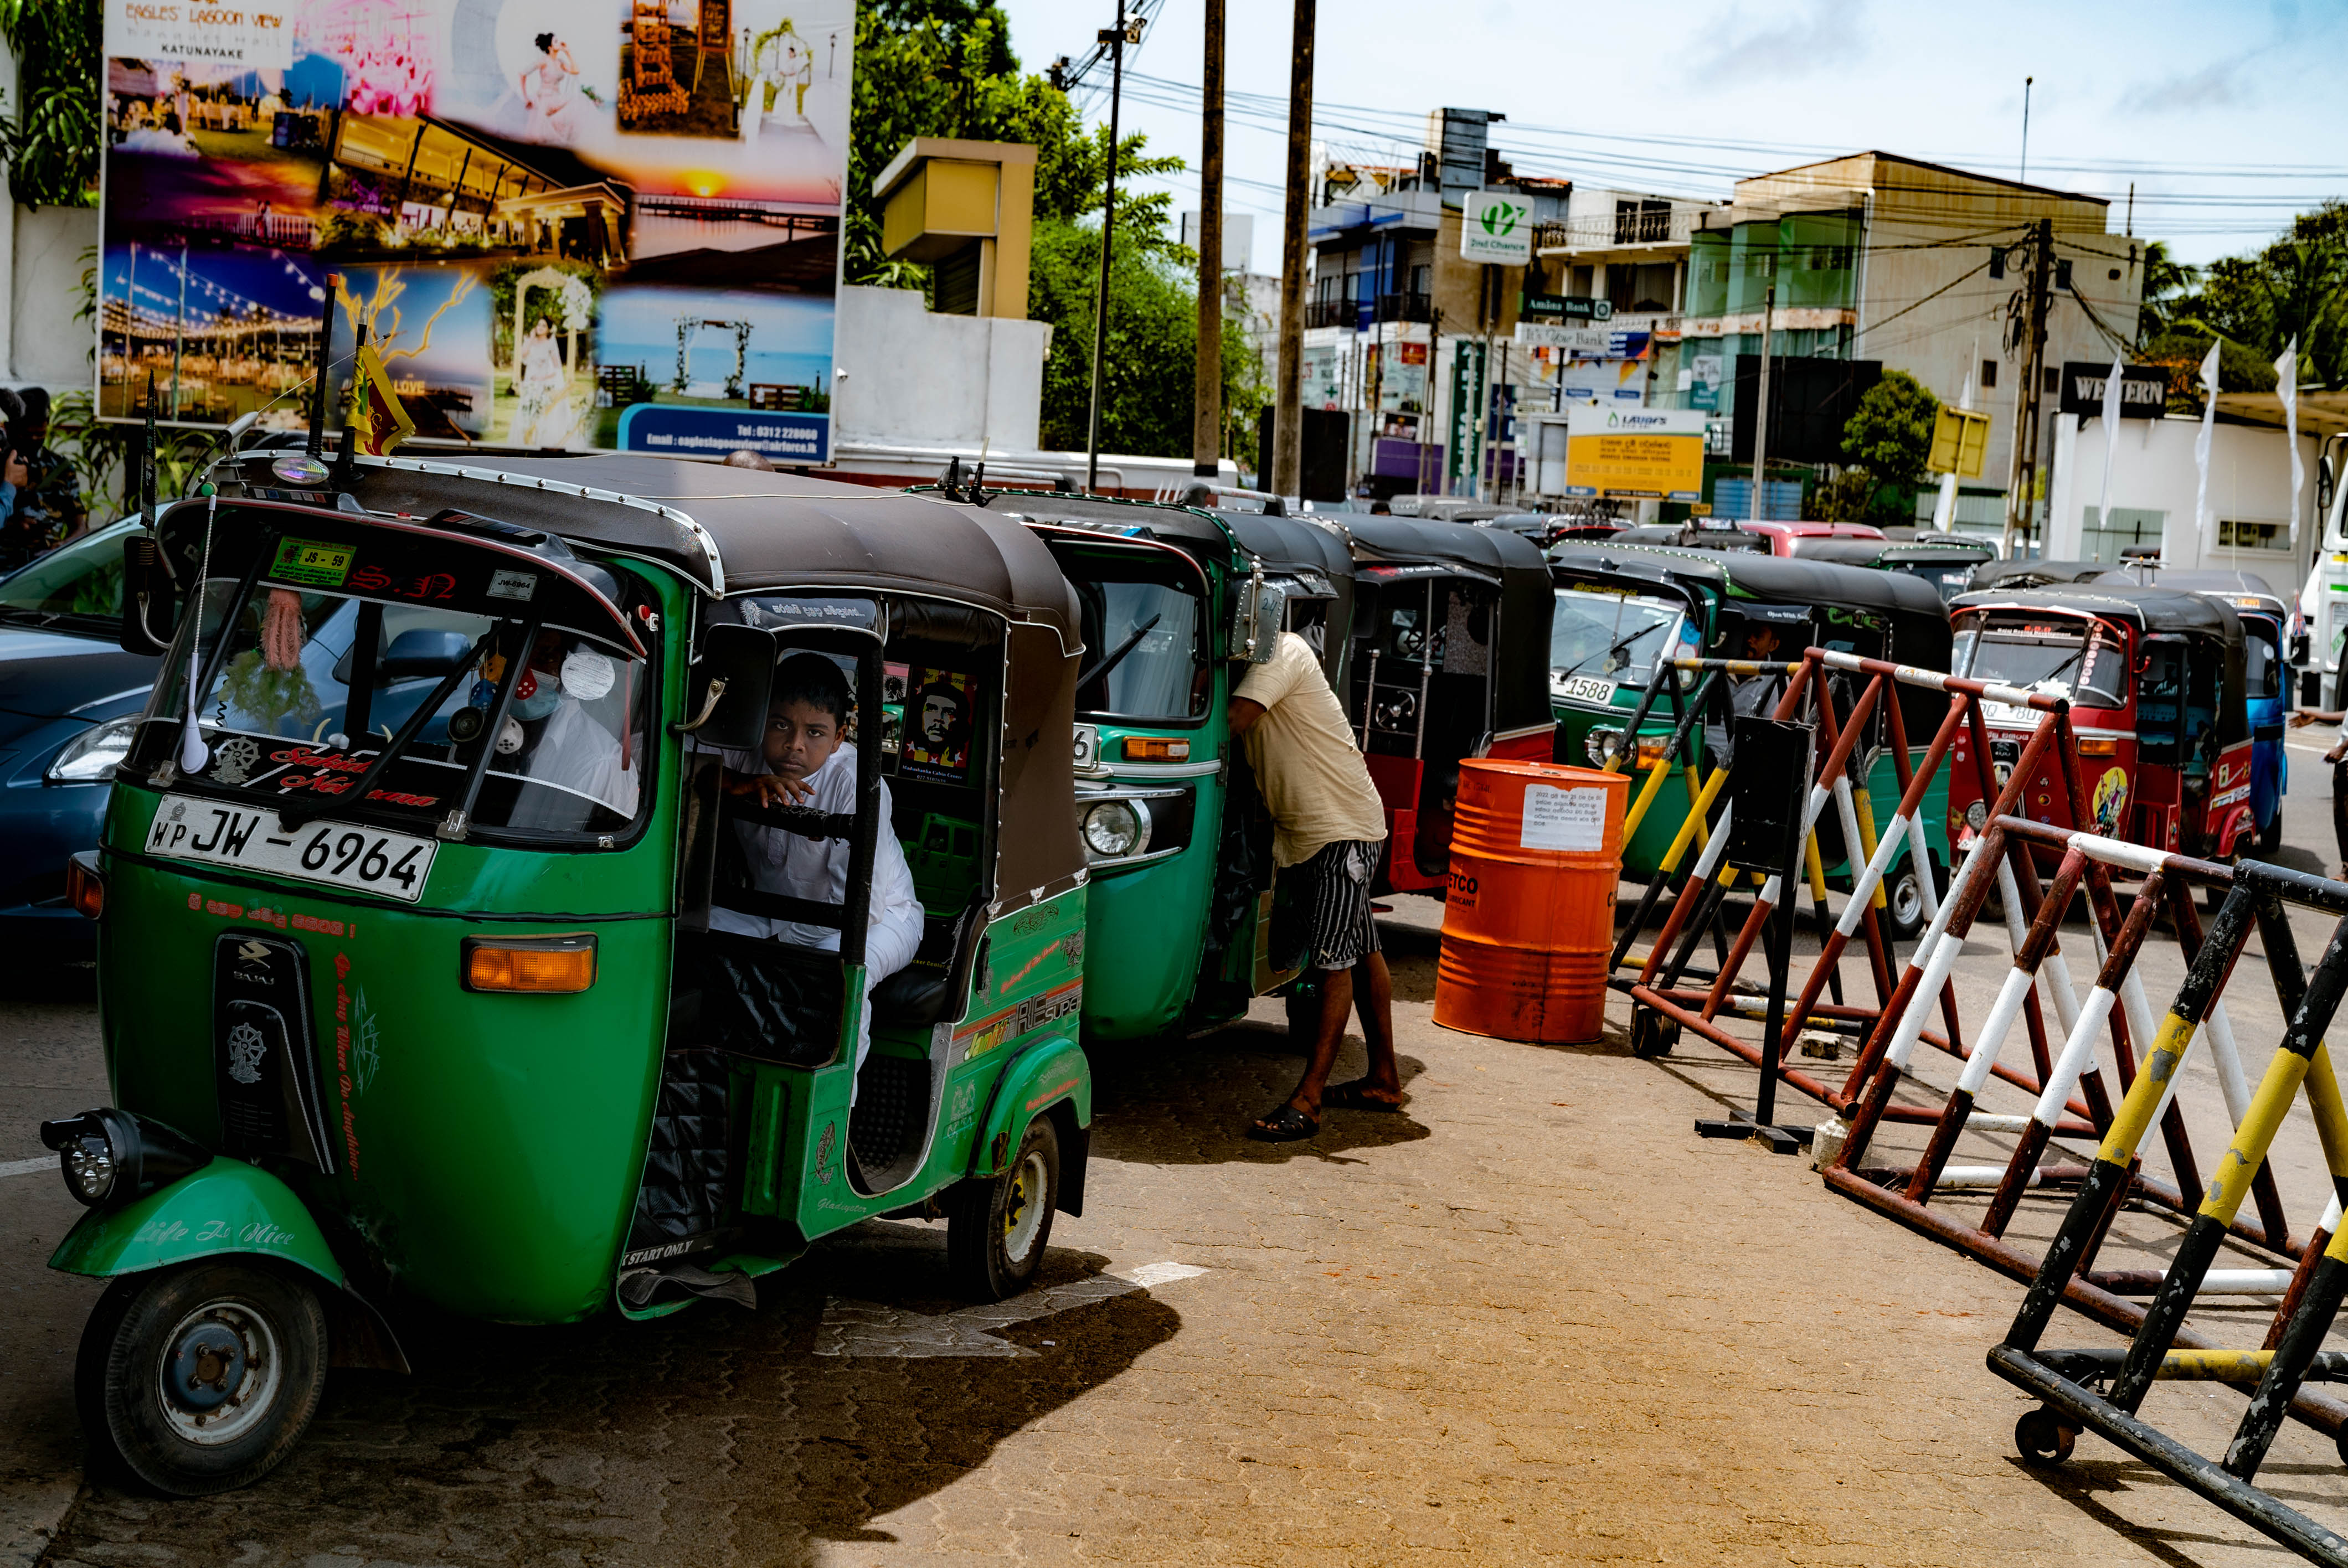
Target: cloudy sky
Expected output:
[2224,116]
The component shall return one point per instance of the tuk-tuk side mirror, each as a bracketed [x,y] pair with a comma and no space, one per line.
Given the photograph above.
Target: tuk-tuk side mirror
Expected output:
[146,597]
[1258,611]
[726,689]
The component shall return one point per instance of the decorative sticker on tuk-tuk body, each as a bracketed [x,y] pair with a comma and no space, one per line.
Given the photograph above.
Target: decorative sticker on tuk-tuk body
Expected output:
[311,563]
[356,1058]
[823,1152]
[937,742]
[1013,1022]
[2111,796]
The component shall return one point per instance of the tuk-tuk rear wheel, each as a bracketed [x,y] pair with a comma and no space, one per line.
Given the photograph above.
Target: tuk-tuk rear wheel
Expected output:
[997,1227]
[200,1380]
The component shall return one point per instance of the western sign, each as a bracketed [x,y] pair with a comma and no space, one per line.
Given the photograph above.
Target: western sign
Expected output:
[2144,390]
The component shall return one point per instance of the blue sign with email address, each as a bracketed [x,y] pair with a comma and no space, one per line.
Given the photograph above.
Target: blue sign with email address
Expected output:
[715,432]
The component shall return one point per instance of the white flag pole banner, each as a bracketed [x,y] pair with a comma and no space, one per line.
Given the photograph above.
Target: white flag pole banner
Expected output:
[2112,384]
[2201,442]
[2287,388]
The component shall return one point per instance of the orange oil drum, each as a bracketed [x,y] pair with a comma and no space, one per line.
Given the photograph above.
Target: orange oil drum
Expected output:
[1528,912]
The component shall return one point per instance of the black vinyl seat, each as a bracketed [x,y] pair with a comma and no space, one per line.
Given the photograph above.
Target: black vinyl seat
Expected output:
[932,986]
[913,997]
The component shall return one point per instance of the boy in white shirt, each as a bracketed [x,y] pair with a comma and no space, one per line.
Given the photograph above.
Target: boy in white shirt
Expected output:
[805,763]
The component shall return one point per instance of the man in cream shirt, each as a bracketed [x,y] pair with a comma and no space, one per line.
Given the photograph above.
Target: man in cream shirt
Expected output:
[1327,824]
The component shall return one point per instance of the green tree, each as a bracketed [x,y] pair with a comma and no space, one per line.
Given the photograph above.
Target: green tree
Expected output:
[50,136]
[2165,280]
[1886,441]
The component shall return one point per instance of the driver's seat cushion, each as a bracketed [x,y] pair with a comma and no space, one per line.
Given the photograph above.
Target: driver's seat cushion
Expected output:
[914,997]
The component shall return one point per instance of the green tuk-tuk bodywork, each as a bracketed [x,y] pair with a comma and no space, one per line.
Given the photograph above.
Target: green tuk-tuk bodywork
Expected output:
[1179,931]
[1884,615]
[515,1156]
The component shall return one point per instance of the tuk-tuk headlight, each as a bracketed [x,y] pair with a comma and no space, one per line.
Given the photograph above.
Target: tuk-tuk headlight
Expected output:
[1977,815]
[1602,745]
[1114,829]
[95,753]
[108,1156]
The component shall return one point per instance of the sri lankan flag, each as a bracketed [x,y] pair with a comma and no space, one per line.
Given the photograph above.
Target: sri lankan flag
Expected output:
[376,418]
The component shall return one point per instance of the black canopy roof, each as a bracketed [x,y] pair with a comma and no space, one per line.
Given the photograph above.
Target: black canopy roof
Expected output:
[1688,536]
[1283,544]
[2235,584]
[1881,553]
[2154,609]
[731,530]
[1785,580]
[2012,574]
[1383,538]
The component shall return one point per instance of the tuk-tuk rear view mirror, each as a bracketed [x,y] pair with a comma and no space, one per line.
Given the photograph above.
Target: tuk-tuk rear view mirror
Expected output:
[1259,609]
[725,690]
[146,597]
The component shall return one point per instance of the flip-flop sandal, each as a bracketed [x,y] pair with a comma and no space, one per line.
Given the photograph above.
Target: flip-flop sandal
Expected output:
[1285,1125]
[1356,1096]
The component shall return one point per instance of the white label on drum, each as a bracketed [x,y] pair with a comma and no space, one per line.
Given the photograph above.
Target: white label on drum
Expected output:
[1563,818]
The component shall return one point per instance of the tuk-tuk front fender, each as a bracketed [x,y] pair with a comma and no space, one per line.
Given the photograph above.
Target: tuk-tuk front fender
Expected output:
[229,1207]
[1051,1078]
[225,1206]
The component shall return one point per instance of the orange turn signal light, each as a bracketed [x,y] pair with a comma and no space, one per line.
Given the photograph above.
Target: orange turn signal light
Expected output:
[547,966]
[1151,749]
[2098,746]
[85,888]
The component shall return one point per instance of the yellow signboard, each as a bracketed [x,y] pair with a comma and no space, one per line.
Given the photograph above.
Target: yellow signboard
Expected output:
[1959,442]
[1635,452]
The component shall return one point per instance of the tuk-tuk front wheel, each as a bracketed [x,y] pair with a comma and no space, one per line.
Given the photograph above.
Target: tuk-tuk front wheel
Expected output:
[201,1378]
[997,1228]
[1904,900]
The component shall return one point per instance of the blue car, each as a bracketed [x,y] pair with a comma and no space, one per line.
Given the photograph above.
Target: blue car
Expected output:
[69,697]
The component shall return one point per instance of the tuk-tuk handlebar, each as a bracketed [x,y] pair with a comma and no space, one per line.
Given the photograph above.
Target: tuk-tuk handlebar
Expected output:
[1940,681]
[805,821]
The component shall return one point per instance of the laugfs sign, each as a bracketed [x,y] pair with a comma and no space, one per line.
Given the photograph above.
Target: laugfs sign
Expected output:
[259,37]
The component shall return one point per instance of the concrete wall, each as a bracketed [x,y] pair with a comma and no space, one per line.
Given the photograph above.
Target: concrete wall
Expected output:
[2153,471]
[903,376]
[48,343]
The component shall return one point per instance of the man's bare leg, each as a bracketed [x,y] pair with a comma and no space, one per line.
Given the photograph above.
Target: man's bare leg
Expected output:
[1372,987]
[1336,991]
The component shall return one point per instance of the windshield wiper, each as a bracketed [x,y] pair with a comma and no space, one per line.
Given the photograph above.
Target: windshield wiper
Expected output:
[1609,652]
[301,814]
[1116,658]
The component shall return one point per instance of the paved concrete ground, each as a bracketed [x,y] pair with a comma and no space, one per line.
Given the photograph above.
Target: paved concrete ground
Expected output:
[1533,1319]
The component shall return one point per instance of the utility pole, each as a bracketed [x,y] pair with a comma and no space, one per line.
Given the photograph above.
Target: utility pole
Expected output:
[1761,409]
[2020,497]
[1288,407]
[1206,420]
[1115,39]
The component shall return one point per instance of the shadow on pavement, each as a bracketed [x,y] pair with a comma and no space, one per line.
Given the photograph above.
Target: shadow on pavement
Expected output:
[1188,1102]
[712,1436]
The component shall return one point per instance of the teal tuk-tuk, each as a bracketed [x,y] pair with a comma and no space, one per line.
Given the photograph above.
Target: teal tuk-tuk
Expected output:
[1173,602]
[1623,608]
[407,1003]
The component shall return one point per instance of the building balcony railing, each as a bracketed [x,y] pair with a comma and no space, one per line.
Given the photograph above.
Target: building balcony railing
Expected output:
[1360,314]
[1655,226]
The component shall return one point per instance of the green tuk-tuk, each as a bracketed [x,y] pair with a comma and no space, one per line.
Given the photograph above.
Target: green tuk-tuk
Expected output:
[1947,561]
[1173,602]
[422,964]
[1620,608]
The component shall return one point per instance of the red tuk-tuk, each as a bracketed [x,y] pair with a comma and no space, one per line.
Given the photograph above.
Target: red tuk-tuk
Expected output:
[2158,704]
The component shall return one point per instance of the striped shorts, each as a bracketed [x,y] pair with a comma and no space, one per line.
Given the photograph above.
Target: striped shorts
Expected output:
[1333,894]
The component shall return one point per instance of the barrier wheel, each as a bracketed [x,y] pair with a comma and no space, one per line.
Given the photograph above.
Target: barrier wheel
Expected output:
[2043,1440]
[1651,1035]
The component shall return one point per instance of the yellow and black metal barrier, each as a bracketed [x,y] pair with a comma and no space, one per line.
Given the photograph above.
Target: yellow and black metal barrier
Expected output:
[2100,1393]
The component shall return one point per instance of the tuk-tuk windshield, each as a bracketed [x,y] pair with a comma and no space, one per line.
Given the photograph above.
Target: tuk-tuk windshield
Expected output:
[1143,626]
[1615,637]
[2061,658]
[1948,577]
[312,685]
